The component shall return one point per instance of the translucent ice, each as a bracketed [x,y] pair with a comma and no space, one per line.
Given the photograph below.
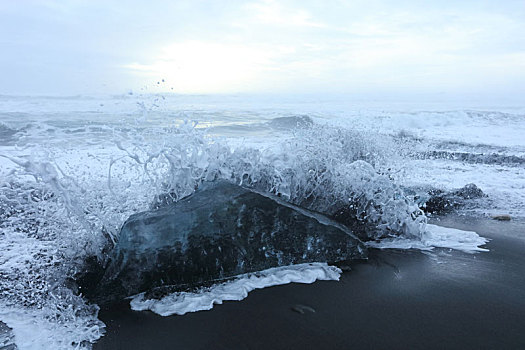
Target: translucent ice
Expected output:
[220,231]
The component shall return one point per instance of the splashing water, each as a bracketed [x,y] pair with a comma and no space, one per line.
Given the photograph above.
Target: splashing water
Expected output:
[64,200]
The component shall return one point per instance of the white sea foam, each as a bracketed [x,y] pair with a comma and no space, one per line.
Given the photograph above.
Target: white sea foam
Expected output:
[76,167]
[51,327]
[181,303]
[436,237]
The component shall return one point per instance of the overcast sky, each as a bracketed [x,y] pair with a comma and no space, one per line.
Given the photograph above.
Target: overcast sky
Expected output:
[304,46]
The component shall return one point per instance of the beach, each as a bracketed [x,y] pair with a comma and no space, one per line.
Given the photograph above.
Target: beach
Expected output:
[442,299]
[63,203]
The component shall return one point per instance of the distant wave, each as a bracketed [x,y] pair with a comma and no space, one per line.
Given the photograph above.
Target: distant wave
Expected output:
[6,134]
[475,158]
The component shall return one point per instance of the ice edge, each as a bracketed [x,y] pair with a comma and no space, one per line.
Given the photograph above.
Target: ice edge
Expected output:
[181,303]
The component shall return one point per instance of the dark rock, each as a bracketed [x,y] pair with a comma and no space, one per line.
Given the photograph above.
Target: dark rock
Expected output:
[220,231]
[469,191]
[302,309]
[440,202]
[298,121]
[502,217]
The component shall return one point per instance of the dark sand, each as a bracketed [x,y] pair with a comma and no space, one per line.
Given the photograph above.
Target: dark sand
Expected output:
[396,300]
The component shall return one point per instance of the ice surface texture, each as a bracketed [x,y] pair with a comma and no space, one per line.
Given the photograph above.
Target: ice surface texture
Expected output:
[220,231]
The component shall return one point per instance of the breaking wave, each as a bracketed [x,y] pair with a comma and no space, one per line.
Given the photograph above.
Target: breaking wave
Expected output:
[63,203]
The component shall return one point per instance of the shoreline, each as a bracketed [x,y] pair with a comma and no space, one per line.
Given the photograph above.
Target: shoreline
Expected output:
[395,299]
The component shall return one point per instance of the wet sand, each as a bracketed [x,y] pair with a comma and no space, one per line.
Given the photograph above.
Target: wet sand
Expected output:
[395,300]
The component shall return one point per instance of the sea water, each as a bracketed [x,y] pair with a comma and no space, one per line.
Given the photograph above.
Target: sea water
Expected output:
[73,169]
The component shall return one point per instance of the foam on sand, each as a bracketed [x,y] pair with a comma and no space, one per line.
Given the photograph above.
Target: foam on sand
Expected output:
[436,237]
[181,303]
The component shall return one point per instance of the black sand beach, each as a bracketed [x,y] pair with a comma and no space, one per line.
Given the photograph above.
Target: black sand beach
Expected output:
[396,300]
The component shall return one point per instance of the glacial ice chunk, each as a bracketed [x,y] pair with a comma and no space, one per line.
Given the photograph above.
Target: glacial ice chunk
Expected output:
[220,231]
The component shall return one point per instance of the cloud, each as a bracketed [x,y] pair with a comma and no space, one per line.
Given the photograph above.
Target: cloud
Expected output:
[275,13]
[263,45]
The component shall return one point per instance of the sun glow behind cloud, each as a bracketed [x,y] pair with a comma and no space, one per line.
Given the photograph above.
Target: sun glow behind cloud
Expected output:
[205,67]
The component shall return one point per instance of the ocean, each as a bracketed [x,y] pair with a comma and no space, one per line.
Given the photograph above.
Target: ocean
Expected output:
[74,169]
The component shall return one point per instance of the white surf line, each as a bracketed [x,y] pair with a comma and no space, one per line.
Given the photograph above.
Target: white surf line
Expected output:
[436,237]
[181,303]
